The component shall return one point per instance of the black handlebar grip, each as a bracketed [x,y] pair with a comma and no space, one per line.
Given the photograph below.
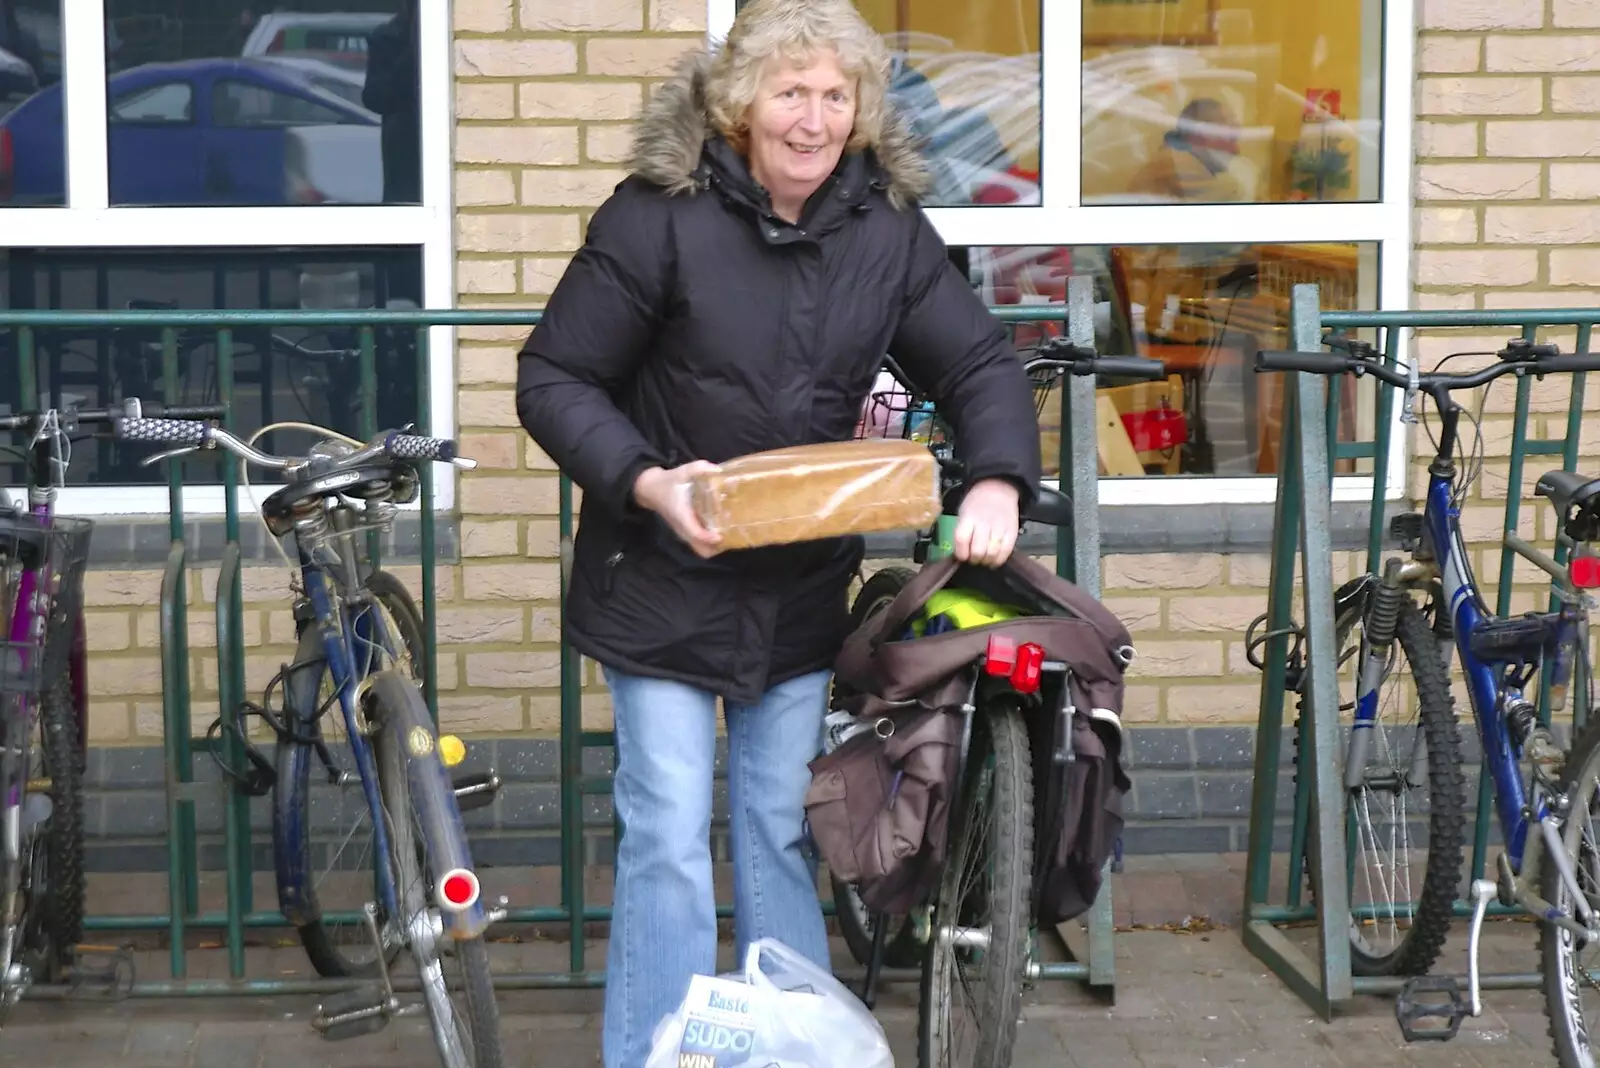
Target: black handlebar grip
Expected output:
[163,431]
[1568,363]
[1322,363]
[412,447]
[1129,367]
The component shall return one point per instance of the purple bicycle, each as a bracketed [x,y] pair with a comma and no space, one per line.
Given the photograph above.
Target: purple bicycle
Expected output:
[43,706]
[42,690]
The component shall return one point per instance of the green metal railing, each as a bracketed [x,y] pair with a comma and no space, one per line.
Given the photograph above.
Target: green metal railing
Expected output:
[1078,555]
[1302,525]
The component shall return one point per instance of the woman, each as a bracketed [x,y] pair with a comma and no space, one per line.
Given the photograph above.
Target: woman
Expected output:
[736,293]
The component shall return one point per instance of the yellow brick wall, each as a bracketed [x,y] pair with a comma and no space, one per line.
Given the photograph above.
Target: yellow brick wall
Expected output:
[1508,99]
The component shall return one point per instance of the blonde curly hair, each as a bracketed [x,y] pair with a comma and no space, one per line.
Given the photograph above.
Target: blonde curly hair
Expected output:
[768,30]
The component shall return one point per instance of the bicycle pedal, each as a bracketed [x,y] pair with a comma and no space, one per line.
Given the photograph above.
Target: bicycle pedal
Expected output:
[476,790]
[363,1011]
[1415,1004]
[99,973]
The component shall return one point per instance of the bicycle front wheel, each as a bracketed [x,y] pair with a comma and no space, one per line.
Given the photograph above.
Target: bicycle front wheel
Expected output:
[1402,890]
[976,967]
[424,825]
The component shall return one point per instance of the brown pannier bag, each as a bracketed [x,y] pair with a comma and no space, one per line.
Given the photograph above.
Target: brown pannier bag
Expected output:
[878,806]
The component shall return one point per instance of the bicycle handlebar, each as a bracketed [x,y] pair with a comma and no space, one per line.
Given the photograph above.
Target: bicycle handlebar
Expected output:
[131,409]
[1542,362]
[195,434]
[1059,354]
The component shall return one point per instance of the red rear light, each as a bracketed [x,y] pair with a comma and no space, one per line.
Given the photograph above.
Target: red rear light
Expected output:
[1584,571]
[458,890]
[1001,656]
[1030,667]
[1022,664]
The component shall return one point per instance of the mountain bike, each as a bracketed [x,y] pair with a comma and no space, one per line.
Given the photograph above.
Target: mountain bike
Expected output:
[1549,864]
[975,937]
[43,685]
[357,629]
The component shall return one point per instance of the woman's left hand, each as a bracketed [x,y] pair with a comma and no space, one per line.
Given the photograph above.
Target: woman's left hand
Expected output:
[986,525]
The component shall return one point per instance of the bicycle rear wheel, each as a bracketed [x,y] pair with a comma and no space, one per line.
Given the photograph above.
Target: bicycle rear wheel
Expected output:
[976,967]
[331,872]
[467,1033]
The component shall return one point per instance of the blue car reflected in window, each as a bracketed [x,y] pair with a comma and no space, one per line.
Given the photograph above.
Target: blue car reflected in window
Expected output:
[209,132]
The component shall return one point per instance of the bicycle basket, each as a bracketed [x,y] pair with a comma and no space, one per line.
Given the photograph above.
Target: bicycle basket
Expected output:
[29,667]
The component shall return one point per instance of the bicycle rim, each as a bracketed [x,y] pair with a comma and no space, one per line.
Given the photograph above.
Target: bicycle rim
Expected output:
[976,967]
[1563,961]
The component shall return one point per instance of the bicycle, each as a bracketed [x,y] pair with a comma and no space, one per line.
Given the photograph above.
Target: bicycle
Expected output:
[996,766]
[43,684]
[1538,869]
[355,625]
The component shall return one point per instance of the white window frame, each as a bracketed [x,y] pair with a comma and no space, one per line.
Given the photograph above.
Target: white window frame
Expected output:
[1062,219]
[88,221]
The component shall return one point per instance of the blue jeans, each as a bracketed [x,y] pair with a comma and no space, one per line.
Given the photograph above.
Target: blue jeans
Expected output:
[664,924]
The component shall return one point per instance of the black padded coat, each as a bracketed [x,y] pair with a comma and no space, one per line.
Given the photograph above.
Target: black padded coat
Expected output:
[695,324]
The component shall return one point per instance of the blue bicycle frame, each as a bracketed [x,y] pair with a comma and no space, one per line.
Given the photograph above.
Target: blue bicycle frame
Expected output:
[1490,685]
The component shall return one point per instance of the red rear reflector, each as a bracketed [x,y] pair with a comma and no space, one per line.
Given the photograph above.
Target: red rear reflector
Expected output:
[1001,656]
[1584,572]
[459,889]
[1030,667]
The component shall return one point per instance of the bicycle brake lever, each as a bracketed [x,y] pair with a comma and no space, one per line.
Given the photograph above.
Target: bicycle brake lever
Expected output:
[466,463]
[1407,410]
[170,454]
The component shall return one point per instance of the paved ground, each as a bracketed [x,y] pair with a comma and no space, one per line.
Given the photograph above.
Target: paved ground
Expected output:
[1193,999]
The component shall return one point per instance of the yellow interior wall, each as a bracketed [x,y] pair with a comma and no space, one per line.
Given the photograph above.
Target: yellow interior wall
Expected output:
[1268,54]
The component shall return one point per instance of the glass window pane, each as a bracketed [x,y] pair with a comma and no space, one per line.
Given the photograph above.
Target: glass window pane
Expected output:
[280,373]
[33,148]
[314,105]
[1204,310]
[967,77]
[1231,101]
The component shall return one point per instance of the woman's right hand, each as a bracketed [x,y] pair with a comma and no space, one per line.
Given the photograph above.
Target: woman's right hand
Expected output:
[665,491]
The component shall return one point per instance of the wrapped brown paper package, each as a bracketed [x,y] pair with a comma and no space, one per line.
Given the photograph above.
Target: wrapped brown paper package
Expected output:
[819,491]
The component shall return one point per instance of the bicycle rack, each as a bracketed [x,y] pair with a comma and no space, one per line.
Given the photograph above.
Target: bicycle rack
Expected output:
[1301,524]
[1077,557]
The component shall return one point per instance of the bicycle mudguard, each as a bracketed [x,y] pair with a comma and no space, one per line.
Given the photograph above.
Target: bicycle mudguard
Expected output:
[401,709]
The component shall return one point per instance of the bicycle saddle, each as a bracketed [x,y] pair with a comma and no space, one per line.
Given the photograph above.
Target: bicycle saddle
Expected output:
[1570,490]
[1052,508]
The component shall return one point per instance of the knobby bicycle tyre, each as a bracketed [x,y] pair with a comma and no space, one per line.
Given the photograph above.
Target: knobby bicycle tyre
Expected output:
[295,765]
[401,713]
[1002,735]
[900,948]
[1558,963]
[1435,910]
[61,909]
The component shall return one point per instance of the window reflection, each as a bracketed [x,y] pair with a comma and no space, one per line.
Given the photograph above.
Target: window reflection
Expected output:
[32,137]
[1229,101]
[220,102]
[280,373]
[1203,310]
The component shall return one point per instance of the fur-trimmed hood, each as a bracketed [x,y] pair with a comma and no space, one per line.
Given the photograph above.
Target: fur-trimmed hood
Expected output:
[671,134]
